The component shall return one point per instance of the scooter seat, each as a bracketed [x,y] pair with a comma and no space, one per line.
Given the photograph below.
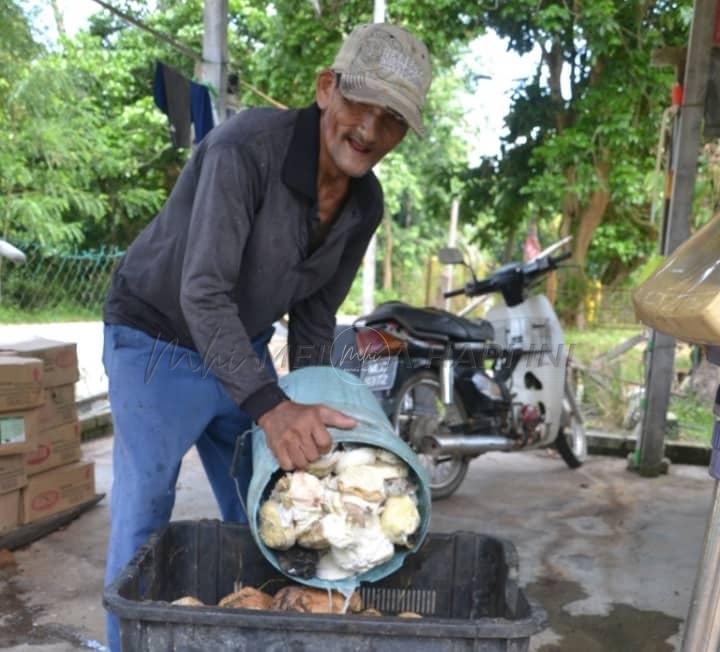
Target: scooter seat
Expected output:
[432,323]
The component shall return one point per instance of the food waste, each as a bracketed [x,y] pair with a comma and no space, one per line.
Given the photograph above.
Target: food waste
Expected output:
[295,599]
[342,516]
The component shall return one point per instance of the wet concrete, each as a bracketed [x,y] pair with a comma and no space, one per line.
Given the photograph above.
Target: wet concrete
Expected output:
[623,628]
[611,556]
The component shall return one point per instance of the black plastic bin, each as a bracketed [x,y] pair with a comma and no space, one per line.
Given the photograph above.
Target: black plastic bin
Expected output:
[463,584]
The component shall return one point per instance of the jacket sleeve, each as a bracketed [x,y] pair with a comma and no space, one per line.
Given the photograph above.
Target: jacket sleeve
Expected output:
[228,189]
[311,329]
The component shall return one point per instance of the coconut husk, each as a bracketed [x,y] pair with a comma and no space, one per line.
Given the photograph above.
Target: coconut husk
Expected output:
[247,598]
[316,601]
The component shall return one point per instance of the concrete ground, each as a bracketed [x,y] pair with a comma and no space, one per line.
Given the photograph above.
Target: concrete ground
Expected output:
[611,556]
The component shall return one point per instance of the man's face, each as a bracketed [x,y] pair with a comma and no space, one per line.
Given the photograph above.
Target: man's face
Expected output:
[353,136]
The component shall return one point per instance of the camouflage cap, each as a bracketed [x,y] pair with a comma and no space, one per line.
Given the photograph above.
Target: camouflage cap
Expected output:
[386,66]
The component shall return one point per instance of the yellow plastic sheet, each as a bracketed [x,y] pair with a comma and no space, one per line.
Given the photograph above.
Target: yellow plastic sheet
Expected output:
[683,297]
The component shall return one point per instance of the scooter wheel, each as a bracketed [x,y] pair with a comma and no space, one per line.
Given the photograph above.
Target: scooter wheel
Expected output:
[571,441]
[419,405]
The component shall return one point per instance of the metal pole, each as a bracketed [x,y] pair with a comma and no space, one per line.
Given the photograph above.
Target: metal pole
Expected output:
[452,238]
[379,11]
[213,70]
[368,278]
[702,627]
[662,354]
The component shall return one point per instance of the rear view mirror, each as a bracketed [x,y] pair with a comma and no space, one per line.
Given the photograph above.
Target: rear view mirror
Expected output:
[450,256]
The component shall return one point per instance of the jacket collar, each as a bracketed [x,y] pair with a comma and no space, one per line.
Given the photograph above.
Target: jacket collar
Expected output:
[300,167]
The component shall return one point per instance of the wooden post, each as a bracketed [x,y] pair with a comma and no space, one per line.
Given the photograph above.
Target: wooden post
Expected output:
[685,159]
[387,258]
[428,280]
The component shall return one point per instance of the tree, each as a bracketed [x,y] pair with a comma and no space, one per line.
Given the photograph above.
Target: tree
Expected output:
[75,160]
[108,183]
[584,154]
[281,51]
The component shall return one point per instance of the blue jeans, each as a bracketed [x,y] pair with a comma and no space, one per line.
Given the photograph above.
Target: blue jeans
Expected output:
[163,402]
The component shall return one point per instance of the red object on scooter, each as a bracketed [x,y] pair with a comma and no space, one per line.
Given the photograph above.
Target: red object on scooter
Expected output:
[530,416]
[373,342]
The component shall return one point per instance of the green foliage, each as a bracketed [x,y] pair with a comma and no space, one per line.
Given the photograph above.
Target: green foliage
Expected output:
[695,418]
[608,115]
[79,163]
[570,300]
[108,184]
[103,187]
[282,50]
[646,270]
[413,248]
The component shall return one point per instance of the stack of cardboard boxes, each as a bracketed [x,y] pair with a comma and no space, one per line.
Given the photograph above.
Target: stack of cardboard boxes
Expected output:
[41,472]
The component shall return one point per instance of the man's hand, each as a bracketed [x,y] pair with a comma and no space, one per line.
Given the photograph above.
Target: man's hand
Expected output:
[296,433]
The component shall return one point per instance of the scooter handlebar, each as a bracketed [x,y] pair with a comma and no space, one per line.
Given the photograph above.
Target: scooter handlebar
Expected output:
[491,284]
[473,288]
[554,260]
[453,293]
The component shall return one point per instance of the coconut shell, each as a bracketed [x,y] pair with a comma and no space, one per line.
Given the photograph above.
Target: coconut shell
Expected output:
[313,538]
[408,614]
[188,601]
[316,601]
[247,598]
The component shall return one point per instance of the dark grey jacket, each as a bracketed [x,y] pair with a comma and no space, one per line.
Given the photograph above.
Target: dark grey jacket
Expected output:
[232,251]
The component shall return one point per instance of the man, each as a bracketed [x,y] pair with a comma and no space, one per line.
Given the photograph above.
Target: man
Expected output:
[271,215]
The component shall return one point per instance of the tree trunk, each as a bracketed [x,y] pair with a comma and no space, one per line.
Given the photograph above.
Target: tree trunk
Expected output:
[592,215]
[509,247]
[551,287]
[589,219]
[59,22]
[702,382]
[569,203]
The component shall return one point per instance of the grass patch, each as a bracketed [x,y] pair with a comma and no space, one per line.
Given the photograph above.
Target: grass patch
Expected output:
[695,419]
[62,313]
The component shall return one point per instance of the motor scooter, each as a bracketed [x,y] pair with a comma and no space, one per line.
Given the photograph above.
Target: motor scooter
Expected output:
[455,388]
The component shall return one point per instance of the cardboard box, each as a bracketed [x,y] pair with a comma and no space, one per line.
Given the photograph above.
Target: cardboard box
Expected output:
[57,490]
[59,407]
[21,383]
[9,511]
[53,448]
[18,431]
[59,358]
[12,473]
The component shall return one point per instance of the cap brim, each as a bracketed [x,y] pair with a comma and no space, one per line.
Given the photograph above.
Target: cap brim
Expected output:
[378,93]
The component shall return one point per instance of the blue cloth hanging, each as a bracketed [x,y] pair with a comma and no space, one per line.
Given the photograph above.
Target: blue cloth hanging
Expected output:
[201,110]
[184,102]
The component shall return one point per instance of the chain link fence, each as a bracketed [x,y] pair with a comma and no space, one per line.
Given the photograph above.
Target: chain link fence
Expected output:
[71,285]
[615,309]
[59,285]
